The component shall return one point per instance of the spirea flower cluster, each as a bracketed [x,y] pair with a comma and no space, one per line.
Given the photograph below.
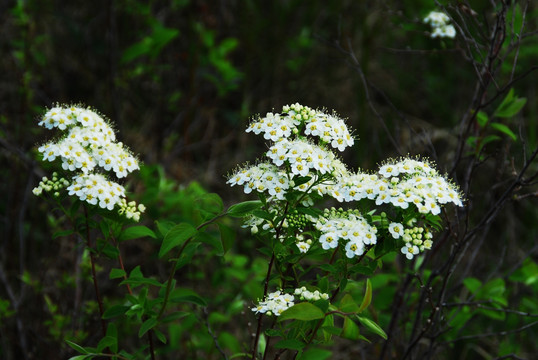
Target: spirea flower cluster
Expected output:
[301,162]
[277,302]
[347,226]
[302,142]
[88,149]
[439,23]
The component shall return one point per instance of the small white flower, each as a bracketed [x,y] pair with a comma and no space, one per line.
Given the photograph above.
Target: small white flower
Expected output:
[396,230]
[409,251]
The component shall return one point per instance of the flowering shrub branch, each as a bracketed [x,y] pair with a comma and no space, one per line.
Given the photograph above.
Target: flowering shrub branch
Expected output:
[301,170]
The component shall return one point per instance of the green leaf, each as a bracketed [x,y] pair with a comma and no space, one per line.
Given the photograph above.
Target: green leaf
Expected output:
[504,129]
[315,354]
[510,106]
[160,336]
[174,316]
[176,237]
[472,284]
[81,357]
[350,330]
[372,326]
[150,45]
[212,241]
[112,332]
[77,347]
[348,304]
[116,273]
[107,342]
[367,296]
[304,311]
[164,226]
[227,237]
[482,118]
[244,208]
[212,203]
[135,232]
[180,295]
[116,310]
[301,180]
[146,326]
[292,344]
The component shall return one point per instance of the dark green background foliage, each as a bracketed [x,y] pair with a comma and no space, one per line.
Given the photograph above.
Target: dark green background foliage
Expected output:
[180,79]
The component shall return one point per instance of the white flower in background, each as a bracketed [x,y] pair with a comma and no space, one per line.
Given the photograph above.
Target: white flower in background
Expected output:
[439,23]
[277,302]
[274,304]
[87,149]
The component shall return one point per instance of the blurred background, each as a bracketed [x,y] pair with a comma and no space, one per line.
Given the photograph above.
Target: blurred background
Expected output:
[180,81]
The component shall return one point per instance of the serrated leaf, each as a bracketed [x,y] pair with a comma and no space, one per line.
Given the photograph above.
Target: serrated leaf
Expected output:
[504,129]
[372,326]
[367,299]
[304,311]
[292,344]
[244,208]
[135,232]
[146,326]
[176,236]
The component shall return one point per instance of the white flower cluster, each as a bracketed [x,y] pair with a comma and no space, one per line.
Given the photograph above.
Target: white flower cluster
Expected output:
[90,142]
[440,25]
[347,225]
[264,177]
[401,183]
[301,159]
[328,128]
[315,295]
[89,147]
[275,303]
[294,152]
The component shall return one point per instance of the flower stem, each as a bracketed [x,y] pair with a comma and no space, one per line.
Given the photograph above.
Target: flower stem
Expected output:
[94,276]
